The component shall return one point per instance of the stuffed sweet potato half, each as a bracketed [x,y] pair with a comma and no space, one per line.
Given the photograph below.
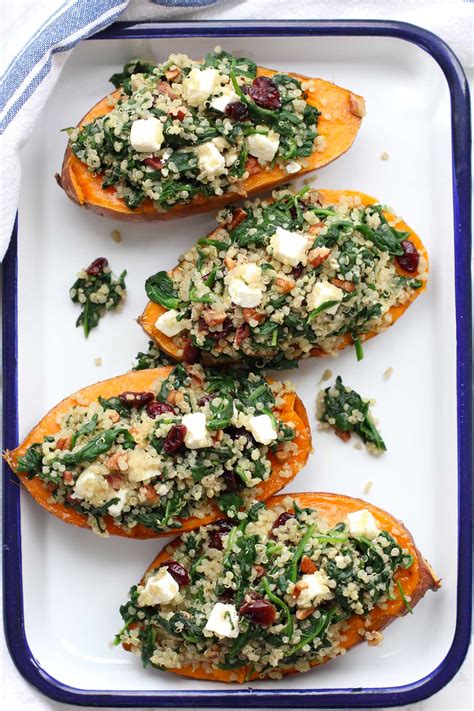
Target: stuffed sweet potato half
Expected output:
[149,452]
[295,582]
[184,137]
[305,274]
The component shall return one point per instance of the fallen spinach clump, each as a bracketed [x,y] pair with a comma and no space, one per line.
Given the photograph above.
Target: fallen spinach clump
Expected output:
[347,411]
[97,290]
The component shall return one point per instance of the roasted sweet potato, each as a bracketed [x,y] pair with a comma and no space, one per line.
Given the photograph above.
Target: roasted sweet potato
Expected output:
[338,124]
[417,276]
[306,622]
[139,387]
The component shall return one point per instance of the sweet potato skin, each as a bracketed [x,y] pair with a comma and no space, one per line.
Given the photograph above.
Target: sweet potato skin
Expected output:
[152,311]
[141,380]
[416,581]
[342,113]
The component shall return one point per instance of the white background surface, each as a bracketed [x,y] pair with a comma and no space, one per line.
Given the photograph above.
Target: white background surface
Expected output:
[457,696]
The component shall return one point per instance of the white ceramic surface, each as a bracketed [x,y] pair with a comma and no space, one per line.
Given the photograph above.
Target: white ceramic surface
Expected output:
[74,581]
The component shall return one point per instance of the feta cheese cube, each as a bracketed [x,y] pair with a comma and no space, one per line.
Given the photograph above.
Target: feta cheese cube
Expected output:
[92,486]
[197,434]
[228,96]
[223,620]
[292,167]
[211,162]
[146,135]
[167,323]
[159,589]
[263,146]
[199,85]
[116,509]
[263,429]
[142,465]
[313,589]
[244,295]
[288,247]
[362,523]
[322,292]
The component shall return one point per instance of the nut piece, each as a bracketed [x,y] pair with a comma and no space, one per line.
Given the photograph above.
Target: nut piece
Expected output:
[357,105]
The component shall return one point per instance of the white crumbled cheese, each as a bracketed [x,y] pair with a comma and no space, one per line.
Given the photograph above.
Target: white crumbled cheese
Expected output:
[293,167]
[288,247]
[263,147]
[223,620]
[322,292]
[250,273]
[116,509]
[244,295]
[263,429]
[92,486]
[362,523]
[167,323]
[142,465]
[146,135]
[229,96]
[314,589]
[197,434]
[199,85]
[211,162]
[159,589]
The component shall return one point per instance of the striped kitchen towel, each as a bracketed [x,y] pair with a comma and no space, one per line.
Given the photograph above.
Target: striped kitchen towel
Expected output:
[37,39]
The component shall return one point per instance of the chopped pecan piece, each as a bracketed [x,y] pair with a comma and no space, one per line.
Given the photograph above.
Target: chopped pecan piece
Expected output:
[318,255]
[345,436]
[307,565]
[284,284]
[344,284]
[357,105]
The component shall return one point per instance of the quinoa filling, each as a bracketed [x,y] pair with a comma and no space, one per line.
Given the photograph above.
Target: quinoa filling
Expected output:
[270,591]
[148,458]
[281,280]
[183,128]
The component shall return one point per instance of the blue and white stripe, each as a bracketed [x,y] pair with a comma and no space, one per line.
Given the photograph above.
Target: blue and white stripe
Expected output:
[72,22]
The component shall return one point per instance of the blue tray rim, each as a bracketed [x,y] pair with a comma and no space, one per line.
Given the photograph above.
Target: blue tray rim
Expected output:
[14,625]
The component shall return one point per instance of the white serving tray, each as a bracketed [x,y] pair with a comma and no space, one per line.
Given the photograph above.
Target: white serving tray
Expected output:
[73,581]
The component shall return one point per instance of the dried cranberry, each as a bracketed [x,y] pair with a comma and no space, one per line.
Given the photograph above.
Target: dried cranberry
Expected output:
[97,267]
[265,93]
[155,163]
[138,400]
[236,432]
[206,398]
[232,481]
[410,258]
[260,612]
[174,439]
[297,271]
[215,537]
[282,519]
[227,595]
[178,572]
[241,334]
[191,352]
[155,408]
[225,330]
[237,111]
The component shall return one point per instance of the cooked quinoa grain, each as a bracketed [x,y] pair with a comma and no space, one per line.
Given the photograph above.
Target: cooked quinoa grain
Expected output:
[269,593]
[282,280]
[152,458]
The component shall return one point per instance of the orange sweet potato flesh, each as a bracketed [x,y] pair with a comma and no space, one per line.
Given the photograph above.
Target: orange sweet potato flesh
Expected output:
[415,581]
[293,412]
[339,123]
[152,311]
